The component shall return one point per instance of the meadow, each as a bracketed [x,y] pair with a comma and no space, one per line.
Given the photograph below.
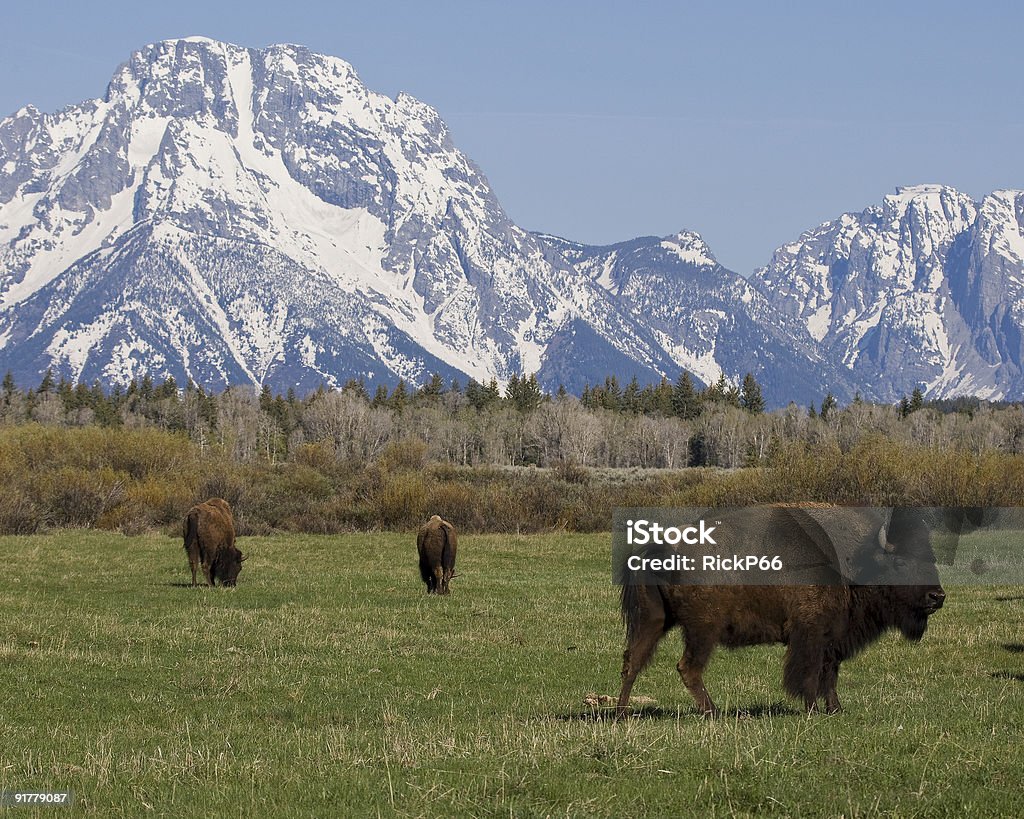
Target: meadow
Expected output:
[327,683]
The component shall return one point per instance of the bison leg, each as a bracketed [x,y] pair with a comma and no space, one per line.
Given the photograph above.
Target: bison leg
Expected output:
[691,670]
[193,562]
[828,682]
[439,581]
[804,667]
[645,637]
[208,572]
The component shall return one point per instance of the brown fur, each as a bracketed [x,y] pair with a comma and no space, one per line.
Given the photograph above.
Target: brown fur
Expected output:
[436,544]
[209,533]
[821,625]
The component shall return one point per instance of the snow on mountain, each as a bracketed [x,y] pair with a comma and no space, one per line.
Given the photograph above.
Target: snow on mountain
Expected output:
[231,214]
[710,320]
[236,215]
[922,289]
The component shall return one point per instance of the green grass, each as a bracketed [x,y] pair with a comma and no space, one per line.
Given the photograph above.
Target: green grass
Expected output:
[329,684]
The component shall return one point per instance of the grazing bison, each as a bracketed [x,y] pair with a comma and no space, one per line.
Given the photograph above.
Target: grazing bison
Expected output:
[209,532]
[436,544]
[860,576]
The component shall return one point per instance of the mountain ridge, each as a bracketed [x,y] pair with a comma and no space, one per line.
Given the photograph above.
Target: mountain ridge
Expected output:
[237,215]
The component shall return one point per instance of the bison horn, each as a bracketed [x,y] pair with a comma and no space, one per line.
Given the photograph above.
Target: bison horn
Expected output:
[883,540]
[243,558]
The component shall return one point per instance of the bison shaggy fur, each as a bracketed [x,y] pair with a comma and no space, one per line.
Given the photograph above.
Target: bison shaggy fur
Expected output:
[436,544]
[209,533]
[821,625]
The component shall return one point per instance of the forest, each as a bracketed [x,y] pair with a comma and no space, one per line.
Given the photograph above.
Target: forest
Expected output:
[514,460]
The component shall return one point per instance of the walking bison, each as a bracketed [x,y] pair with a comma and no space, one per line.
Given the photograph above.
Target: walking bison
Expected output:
[209,532]
[436,544]
[861,573]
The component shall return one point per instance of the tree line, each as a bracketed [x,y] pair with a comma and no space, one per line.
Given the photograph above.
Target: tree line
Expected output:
[661,425]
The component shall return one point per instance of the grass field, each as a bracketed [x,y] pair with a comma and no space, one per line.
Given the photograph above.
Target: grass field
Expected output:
[328,684]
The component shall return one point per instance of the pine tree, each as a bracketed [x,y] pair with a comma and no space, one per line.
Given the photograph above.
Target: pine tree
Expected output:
[916,399]
[611,396]
[524,393]
[750,395]
[47,383]
[685,403]
[631,399]
[9,387]
[661,395]
[399,396]
[492,393]
[828,406]
[434,388]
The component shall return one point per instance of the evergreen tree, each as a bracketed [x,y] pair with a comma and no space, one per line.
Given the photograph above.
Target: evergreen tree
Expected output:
[492,393]
[904,408]
[46,385]
[750,395]
[524,393]
[685,403]
[356,387]
[434,388]
[661,398]
[631,398]
[611,394]
[399,396]
[266,398]
[828,406]
[916,399]
[380,396]
[474,394]
[9,387]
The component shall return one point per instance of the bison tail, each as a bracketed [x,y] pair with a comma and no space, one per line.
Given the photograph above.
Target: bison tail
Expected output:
[638,603]
[191,533]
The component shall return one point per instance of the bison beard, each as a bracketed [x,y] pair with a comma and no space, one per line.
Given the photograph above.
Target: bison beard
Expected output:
[209,533]
[821,625]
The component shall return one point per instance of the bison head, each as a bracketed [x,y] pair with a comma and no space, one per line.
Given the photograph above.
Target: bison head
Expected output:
[902,567]
[228,567]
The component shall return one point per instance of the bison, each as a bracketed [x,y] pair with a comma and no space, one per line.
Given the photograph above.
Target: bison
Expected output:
[436,544]
[867,575]
[209,532]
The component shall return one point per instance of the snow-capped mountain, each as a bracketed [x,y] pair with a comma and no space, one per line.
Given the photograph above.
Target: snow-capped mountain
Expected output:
[924,289]
[236,215]
[709,319]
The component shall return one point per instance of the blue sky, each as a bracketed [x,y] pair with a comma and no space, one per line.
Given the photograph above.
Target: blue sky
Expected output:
[747,122]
